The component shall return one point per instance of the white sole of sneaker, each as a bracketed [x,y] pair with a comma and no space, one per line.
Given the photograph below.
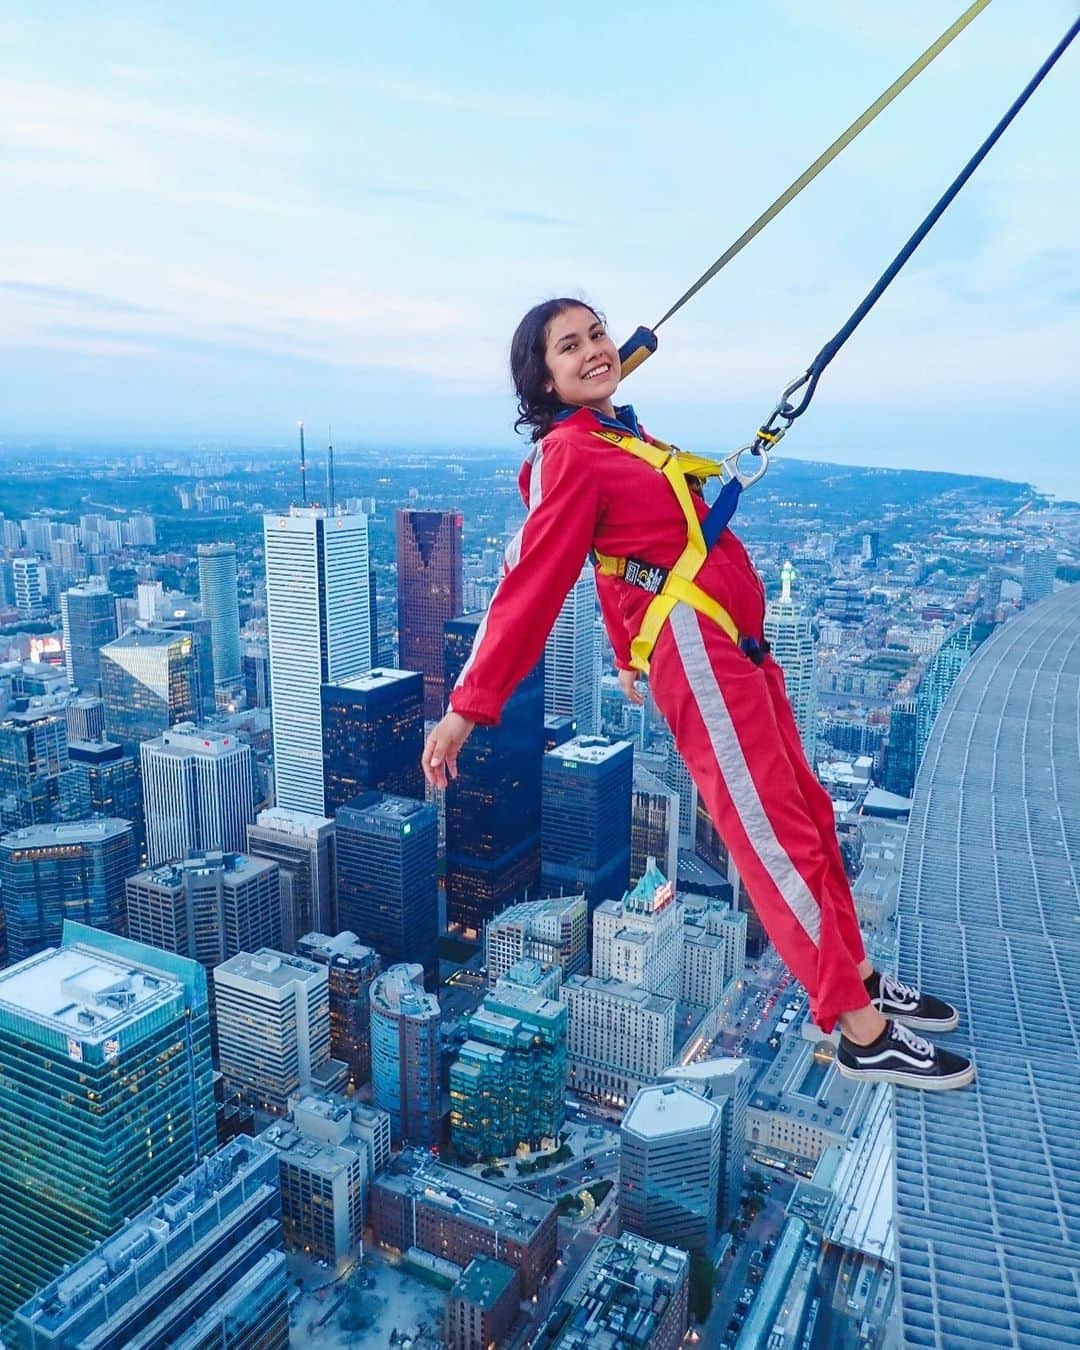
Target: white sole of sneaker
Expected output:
[912,1080]
[924,1023]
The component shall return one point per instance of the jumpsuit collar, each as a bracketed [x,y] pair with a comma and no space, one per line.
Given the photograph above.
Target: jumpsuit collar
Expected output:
[625,418]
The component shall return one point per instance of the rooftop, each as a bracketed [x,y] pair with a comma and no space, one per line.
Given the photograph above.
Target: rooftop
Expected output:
[275,970]
[187,739]
[383,806]
[588,750]
[508,1210]
[666,1108]
[401,990]
[632,993]
[83,993]
[304,823]
[834,1104]
[483,1282]
[235,868]
[375,679]
[66,835]
[327,1160]
[145,637]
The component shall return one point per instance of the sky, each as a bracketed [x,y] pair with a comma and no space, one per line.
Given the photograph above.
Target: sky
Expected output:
[221,218]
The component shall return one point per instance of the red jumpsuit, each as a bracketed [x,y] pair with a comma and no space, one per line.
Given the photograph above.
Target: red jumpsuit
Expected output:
[731,719]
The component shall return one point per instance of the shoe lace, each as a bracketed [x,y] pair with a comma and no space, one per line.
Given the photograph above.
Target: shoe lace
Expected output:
[916,1044]
[891,987]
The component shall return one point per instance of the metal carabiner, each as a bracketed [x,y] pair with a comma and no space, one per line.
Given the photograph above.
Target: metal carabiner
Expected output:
[733,468]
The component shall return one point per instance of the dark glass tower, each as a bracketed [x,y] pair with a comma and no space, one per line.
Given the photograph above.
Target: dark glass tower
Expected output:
[429,593]
[387,892]
[588,805]
[902,757]
[373,733]
[493,807]
[149,681]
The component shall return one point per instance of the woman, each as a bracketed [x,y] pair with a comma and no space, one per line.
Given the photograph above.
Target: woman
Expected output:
[720,692]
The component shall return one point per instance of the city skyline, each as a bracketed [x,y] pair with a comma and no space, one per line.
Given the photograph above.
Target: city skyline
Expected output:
[372,280]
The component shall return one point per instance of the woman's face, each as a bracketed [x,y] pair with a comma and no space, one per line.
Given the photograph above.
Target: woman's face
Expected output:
[582,360]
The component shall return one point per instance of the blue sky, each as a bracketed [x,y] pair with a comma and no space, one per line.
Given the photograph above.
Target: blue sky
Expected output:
[221,218]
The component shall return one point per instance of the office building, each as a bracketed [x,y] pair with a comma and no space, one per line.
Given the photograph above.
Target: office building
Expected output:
[256,669]
[418,1202]
[1040,572]
[726,1082]
[985,1197]
[37,785]
[587,803]
[572,659]
[787,630]
[31,587]
[405,1054]
[508,1084]
[373,735]
[638,939]
[111,784]
[493,812]
[197,793]
[88,615]
[317,615]
[351,968]
[346,1122]
[322,1193]
[713,948]
[482,1306]
[902,754]
[629,1292]
[221,606]
[201,1266]
[654,825]
[304,848]
[387,888]
[181,614]
[273,1025]
[210,906]
[105,1099]
[670,1167]
[85,717]
[553,932]
[429,594]
[940,676]
[149,682]
[53,873]
[619,1037]
[801,1106]
[533,977]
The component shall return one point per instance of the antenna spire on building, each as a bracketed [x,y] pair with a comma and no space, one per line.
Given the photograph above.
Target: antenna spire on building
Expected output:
[303,466]
[330,495]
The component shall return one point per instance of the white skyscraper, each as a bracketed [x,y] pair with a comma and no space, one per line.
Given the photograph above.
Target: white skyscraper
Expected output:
[787,630]
[317,605]
[197,793]
[31,587]
[572,659]
[217,592]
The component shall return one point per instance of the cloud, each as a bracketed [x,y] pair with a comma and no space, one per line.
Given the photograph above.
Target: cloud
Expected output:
[64,295]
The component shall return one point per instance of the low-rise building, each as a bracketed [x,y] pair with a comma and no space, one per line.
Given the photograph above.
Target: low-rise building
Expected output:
[322,1192]
[535,977]
[713,949]
[482,1306]
[553,931]
[802,1105]
[630,1293]
[619,1037]
[418,1202]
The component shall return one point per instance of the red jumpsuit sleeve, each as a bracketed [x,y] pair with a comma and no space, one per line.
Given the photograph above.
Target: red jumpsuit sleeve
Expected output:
[607,591]
[543,561]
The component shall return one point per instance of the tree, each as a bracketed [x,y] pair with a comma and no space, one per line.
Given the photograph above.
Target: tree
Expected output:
[701,1286]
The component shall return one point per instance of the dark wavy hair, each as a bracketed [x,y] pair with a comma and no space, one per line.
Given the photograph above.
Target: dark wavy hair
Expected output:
[537,408]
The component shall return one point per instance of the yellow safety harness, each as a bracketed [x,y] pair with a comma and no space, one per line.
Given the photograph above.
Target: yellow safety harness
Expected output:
[670,586]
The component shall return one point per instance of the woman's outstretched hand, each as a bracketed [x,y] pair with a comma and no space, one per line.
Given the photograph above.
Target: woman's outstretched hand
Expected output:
[628,684]
[442,746]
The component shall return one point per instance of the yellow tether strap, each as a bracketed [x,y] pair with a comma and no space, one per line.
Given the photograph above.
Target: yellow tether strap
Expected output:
[679,584]
[825,159]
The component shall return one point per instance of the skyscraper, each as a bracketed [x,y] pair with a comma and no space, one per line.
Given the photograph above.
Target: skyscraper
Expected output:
[317,613]
[304,848]
[373,734]
[149,682]
[405,1054]
[187,618]
[218,594]
[902,756]
[572,659]
[1040,572]
[387,888]
[88,614]
[727,1083]
[202,1265]
[197,793]
[210,906]
[37,785]
[671,1167]
[351,967]
[940,676]
[639,939]
[429,594]
[787,630]
[493,808]
[51,873]
[111,782]
[553,931]
[31,587]
[677,777]
[273,1024]
[588,791]
[508,1084]
[654,825]
[256,666]
[106,1096]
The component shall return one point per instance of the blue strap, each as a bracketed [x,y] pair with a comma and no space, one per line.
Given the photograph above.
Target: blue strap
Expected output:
[721,511]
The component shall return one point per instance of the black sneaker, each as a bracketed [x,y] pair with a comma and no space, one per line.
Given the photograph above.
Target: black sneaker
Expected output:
[899,1056]
[904,1003]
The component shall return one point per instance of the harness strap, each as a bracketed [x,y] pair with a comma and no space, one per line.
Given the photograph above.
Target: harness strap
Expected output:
[676,585]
